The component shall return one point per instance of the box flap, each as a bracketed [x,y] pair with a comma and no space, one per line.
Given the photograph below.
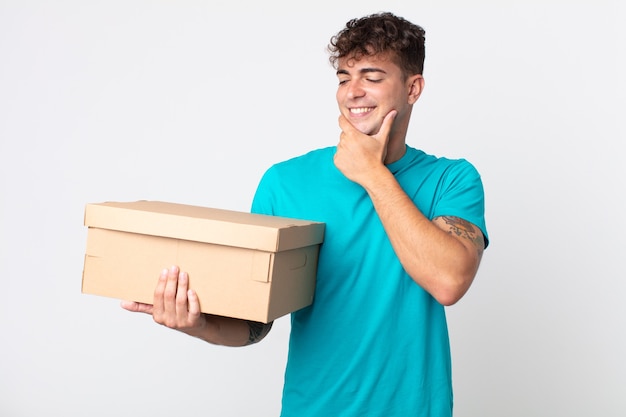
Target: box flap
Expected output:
[204,224]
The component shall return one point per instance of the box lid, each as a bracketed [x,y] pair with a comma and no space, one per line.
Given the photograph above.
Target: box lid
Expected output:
[204,224]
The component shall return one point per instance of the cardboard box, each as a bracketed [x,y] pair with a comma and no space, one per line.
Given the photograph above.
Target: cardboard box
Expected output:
[241,265]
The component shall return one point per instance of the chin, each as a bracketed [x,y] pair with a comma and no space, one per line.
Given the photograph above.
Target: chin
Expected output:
[367,130]
[370,132]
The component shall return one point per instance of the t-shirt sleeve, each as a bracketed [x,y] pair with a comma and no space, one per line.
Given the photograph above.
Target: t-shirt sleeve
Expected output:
[462,195]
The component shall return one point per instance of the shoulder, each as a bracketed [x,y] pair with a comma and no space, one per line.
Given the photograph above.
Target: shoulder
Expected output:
[292,177]
[314,157]
[316,161]
[458,190]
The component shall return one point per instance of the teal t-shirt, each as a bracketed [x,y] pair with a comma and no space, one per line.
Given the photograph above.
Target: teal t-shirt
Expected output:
[373,343]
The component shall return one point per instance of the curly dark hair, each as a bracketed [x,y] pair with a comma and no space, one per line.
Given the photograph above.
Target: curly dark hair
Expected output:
[381,33]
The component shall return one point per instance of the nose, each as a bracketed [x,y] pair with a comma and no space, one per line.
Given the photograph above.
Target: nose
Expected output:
[355,89]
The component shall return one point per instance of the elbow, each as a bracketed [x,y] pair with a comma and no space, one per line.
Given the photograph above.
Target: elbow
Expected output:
[452,289]
[449,280]
[448,298]
[455,282]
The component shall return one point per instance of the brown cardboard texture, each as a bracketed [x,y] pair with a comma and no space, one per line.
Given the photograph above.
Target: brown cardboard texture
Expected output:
[241,265]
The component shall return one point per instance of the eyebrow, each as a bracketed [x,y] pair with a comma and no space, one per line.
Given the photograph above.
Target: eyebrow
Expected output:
[361,71]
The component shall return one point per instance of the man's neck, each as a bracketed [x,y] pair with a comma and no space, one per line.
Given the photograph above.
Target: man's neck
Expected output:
[395,151]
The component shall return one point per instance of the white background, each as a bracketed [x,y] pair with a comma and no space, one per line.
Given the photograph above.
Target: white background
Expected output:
[190,101]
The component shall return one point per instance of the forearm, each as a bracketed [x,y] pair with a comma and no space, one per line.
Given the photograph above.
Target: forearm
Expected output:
[436,260]
[228,331]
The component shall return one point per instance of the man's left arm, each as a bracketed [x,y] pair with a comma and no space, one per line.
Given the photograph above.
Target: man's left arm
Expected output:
[441,255]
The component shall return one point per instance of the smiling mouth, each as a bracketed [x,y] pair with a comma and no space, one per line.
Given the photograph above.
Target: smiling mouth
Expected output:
[361,110]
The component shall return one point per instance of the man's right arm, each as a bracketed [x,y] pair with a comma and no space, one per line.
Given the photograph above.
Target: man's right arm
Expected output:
[177,307]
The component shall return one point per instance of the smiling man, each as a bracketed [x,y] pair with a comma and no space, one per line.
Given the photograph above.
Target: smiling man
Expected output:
[405,233]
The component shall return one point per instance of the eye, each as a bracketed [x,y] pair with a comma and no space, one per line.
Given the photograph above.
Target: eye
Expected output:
[341,82]
[375,80]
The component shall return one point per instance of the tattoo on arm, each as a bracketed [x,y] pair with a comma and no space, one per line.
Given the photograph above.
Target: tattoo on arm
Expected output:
[465,229]
[258,331]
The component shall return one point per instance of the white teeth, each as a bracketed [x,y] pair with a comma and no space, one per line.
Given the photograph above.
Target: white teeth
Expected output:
[361,109]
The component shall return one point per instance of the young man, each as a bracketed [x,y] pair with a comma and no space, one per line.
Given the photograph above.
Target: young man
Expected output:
[405,233]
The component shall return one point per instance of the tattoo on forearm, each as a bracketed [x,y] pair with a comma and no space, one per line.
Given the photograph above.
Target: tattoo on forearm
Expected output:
[257,331]
[465,229]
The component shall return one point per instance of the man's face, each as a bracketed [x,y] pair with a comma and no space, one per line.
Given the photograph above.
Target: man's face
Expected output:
[369,89]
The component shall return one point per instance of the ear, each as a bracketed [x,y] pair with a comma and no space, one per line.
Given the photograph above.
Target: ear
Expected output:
[416,86]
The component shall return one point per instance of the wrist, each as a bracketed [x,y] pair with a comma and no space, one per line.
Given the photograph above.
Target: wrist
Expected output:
[378,179]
